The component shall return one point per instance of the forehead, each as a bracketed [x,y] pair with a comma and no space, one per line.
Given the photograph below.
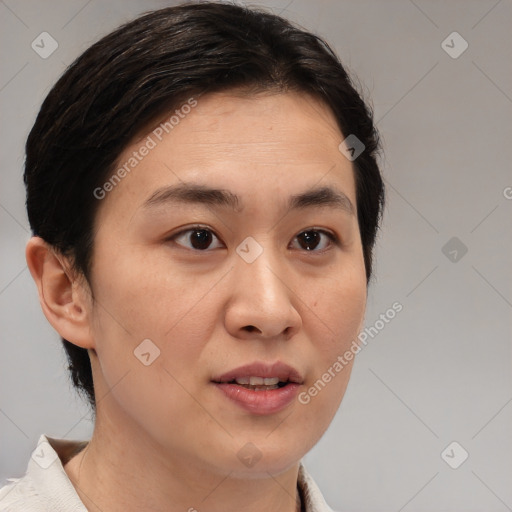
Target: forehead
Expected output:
[240,124]
[278,143]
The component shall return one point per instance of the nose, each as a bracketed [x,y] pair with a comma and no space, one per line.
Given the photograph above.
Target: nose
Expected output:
[262,300]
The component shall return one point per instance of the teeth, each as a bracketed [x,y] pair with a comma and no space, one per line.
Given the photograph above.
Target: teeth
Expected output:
[258,381]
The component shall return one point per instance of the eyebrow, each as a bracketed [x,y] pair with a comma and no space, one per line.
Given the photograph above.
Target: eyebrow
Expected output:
[192,193]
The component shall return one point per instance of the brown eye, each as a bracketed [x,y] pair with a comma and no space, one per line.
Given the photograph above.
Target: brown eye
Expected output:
[197,238]
[314,240]
[200,239]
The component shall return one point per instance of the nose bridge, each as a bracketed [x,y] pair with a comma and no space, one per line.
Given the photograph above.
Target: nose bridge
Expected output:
[259,267]
[260,296]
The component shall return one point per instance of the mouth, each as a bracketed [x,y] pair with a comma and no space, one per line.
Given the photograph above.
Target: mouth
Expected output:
[260,383]
[261,376]
[260,388]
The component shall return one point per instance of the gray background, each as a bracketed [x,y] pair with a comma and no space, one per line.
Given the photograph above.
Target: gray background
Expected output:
[440,371]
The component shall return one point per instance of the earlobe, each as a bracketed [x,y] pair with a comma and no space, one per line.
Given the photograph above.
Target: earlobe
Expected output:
[62,296]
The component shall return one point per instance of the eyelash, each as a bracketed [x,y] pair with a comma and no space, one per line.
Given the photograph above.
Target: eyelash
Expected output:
[332,237]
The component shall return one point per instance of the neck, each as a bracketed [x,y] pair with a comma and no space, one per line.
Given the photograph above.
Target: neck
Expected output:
[117,474]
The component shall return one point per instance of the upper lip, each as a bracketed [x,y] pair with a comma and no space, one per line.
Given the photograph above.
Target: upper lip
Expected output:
[284,372]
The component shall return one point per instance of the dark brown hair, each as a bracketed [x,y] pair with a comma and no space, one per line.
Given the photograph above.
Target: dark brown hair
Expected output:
[144,69]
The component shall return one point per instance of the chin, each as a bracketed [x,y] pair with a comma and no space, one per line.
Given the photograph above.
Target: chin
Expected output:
[260,458]
[262,470]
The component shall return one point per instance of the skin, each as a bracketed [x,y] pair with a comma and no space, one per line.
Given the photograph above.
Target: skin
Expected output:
[165,438]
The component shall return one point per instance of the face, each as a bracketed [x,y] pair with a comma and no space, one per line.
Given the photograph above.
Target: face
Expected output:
[228,254]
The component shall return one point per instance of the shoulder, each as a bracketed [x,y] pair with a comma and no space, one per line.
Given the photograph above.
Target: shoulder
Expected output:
[45,486]
[20,495]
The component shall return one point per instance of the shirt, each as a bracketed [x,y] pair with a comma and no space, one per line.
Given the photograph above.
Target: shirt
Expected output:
[46,487]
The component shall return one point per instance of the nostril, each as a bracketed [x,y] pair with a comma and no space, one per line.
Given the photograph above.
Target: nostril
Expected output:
[250,328]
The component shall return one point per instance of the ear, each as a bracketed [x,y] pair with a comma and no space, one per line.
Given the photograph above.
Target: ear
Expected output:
[64,298]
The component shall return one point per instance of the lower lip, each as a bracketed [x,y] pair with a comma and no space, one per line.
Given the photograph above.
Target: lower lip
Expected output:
[260,402]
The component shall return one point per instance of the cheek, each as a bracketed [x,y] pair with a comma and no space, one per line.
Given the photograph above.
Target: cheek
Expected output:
[338,317]
[148,341]
[346,314]
[139,299]
[339,307]
[146,297]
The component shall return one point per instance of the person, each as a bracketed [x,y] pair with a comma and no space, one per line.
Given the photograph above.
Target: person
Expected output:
[204,194]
